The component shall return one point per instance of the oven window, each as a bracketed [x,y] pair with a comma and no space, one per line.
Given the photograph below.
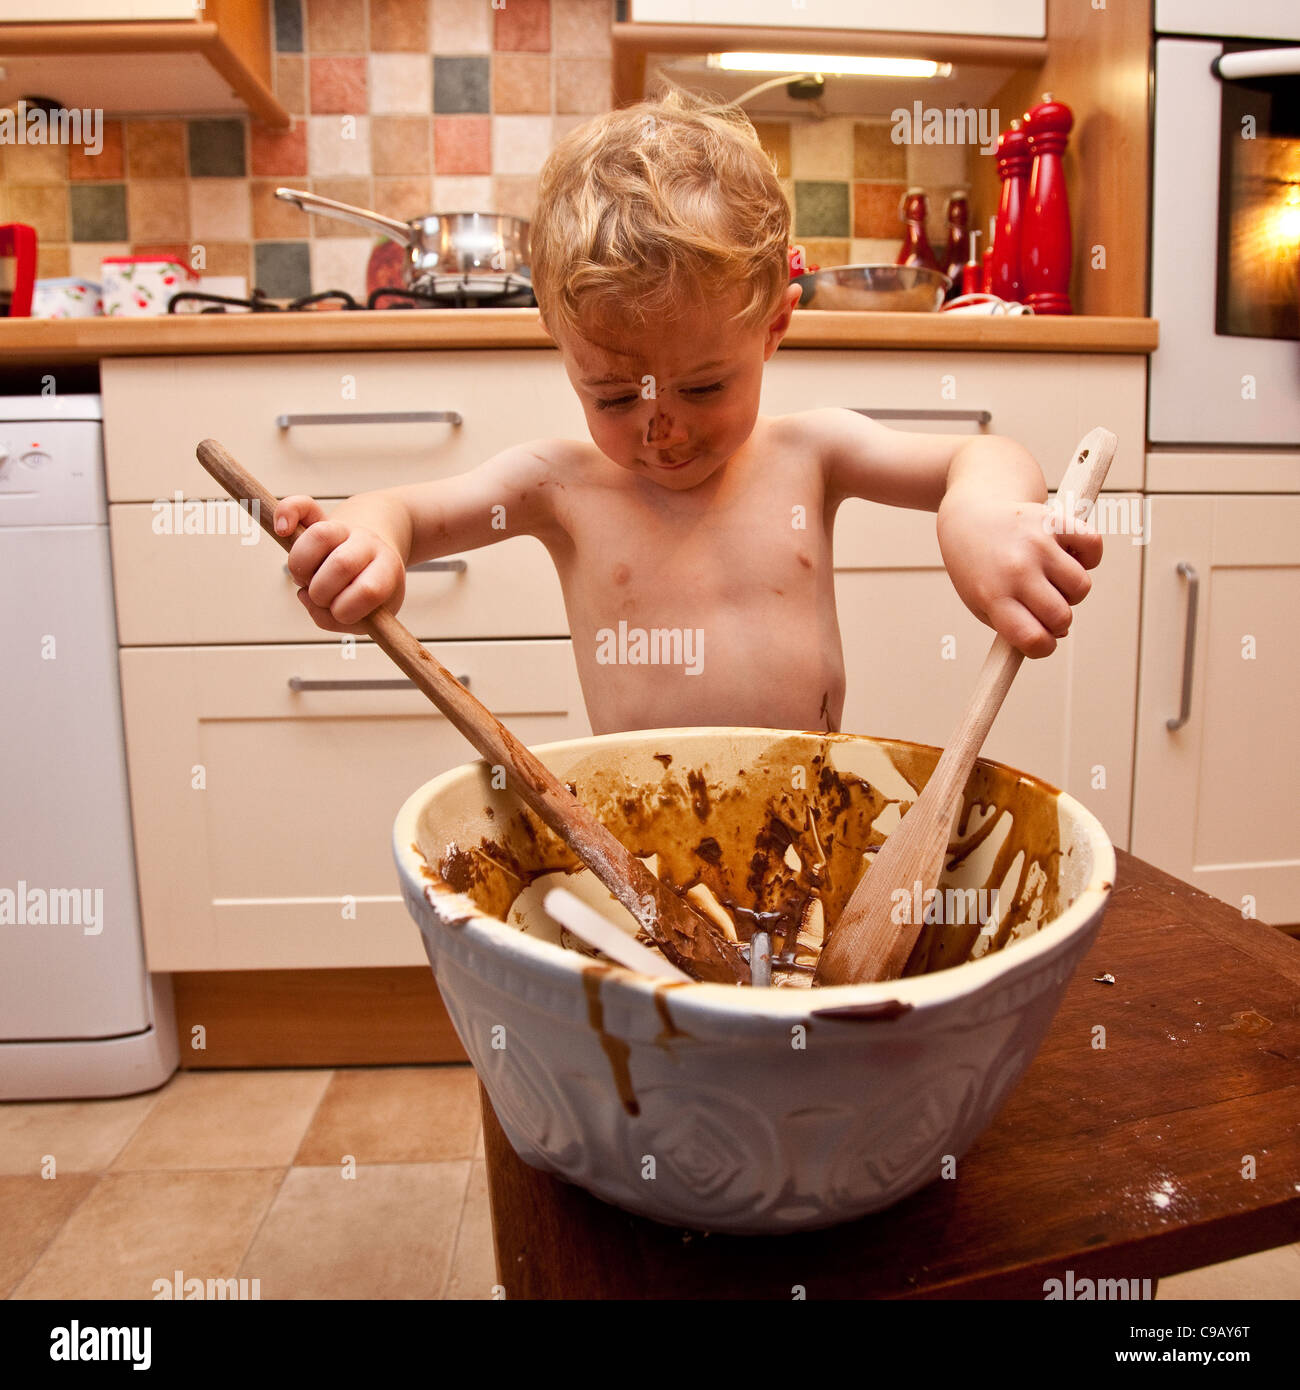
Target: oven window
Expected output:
[1258,289]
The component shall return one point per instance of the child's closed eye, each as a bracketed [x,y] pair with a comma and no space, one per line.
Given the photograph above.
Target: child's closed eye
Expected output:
[618,402]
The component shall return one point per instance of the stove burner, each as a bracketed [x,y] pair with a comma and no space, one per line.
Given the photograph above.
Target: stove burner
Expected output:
[437,292]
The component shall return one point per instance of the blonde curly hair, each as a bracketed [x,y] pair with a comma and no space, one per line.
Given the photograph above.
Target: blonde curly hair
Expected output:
[647,210]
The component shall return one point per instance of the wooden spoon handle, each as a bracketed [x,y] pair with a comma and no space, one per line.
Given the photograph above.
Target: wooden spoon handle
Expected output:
[685,938]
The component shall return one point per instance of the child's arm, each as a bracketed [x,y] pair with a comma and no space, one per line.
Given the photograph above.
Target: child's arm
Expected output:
[355,561]
[1007,564]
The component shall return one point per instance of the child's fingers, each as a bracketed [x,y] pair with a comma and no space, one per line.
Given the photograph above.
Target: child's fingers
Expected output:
[324,619]
[296,511]
[355,579]
[1067,575]
[311,548]
[1014,621]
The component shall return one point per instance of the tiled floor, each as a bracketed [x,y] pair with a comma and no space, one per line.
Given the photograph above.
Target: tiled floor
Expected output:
[367,1182]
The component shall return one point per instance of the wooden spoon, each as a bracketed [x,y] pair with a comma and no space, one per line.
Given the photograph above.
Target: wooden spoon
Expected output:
[686,938]
[866,943]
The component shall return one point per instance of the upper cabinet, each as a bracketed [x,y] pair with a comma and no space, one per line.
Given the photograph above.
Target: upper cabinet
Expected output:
[138,56]
[1002,18]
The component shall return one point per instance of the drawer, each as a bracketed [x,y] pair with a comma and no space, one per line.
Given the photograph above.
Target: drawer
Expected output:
[263,814]
[1045,401]
[175,589]
[157,409]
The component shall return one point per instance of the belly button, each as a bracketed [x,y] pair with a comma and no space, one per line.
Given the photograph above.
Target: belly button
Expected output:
[621,574]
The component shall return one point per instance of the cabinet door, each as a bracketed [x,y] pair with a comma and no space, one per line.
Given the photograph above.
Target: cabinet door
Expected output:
[263,815]
[912,652]
[1216,800]
[1022,18]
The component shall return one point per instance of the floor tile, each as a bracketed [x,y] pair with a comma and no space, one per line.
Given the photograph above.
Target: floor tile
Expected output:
[227,1119]
[394,1115]
[31,1212]
[474,1265]
[136,1228]
[83,1136]
[1270,1274]
[388,1232]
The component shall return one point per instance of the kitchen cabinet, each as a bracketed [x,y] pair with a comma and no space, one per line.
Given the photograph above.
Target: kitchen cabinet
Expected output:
[1215,798]
[263,813]
[140,56]
[1010,18]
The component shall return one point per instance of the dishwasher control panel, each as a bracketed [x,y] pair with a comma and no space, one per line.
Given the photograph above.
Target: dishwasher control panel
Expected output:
[51,473]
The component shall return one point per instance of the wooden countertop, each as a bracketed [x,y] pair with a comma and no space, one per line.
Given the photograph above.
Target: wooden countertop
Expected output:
[1117,1163]
[38,343]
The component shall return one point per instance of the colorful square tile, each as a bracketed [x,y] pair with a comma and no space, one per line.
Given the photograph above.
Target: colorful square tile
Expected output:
[282,269]
[522,27]
[336,26]
[822,149]
[288,26]
[583,85]
[337,85]
[404,198]
[155,149]
[875,209]
[109,163]
[400,84]
[51,262]
[226,258]
[98,211]
[357,192]
[220,210]
[875,155]
[515,194]
[282,153]
[463,193]
[217,149]
[874,250]
[274,219]
[339,263]
[462,26]
[291,84]
[774,136]
[158,209]
[338,145]
[520,144]
[43,206]
[400,144]
[521,83]
[399,26]
[462,144]
[86,260]
[35,163]
[821,208]
[826,251]
[461,85]
[580,28]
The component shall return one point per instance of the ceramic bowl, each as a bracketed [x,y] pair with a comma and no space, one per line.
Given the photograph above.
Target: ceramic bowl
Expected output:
[722,1107]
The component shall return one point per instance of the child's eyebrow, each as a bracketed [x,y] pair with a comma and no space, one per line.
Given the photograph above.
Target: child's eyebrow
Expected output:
[621,380]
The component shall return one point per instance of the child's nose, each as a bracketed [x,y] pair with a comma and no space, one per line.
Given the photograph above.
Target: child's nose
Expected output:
[660,429]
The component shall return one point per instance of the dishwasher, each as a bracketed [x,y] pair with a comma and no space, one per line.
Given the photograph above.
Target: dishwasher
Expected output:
[80,1015]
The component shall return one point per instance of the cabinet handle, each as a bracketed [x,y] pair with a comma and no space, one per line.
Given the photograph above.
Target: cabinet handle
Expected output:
[298,683]
[374,417]
[980,417]
[457,566]
[1189,645]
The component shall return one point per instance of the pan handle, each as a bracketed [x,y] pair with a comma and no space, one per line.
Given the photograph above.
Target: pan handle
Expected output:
[327,207]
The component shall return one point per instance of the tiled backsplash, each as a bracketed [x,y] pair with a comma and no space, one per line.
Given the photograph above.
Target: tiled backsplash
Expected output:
[407,107]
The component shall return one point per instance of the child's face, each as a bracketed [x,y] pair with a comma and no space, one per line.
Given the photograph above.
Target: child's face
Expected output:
[673,403]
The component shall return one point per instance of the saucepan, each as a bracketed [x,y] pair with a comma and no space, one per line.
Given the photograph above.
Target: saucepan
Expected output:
[874,287]
[452,243]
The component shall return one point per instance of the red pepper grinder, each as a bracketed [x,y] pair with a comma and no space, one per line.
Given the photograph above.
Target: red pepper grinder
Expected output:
[1045,243]
[958,240]
[915,249]
[1014,160]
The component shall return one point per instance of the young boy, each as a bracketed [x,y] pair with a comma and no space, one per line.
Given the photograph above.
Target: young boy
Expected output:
[659,262]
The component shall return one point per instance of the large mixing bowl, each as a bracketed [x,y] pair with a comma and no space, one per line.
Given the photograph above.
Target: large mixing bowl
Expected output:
[875,288]
[722,1107]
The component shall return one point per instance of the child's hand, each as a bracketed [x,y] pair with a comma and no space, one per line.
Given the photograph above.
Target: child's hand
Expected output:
[1015,569]
[346,571]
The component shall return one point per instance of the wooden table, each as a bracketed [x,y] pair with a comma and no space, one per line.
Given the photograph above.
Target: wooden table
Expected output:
[1119,1163]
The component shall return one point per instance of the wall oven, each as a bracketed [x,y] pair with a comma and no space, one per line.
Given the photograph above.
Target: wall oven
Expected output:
[1225,231]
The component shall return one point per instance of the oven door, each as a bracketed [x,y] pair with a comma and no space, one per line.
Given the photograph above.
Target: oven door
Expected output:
[1225,243]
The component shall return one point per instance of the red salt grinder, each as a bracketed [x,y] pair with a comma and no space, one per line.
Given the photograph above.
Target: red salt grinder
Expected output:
[1014,160]
[1045,241]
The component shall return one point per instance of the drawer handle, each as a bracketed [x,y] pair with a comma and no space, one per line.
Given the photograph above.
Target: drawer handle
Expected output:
[980,417]
[1189,646]
[457,566]
[298,683]
[374,417]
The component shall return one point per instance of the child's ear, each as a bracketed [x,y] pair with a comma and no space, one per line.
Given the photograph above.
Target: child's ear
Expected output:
[776,330]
